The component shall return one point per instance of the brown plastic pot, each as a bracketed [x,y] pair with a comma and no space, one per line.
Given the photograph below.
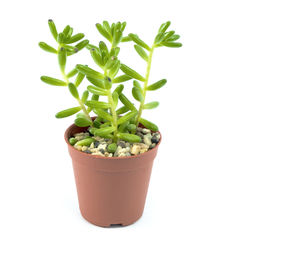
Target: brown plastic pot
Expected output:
[111,190]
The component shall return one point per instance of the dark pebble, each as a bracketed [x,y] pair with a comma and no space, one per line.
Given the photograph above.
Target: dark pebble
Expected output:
[122,144]
[102,150]
[140,135]
[154,139]
[87,151]
[96,144]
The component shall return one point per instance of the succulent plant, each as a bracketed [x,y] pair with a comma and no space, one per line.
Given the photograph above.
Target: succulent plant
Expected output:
[110,122]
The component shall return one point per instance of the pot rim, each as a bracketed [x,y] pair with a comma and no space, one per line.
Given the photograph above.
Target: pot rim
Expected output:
[104,157]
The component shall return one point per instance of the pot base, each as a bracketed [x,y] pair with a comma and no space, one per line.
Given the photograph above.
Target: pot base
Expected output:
[105,224]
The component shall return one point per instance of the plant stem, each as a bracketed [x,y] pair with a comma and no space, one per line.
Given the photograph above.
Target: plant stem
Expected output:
[114,115]
[145,84]
[79,100]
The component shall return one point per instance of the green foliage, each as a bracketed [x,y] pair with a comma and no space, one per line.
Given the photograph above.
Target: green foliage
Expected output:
[112,122]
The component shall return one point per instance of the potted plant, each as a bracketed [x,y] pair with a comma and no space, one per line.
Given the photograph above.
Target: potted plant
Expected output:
[113,151]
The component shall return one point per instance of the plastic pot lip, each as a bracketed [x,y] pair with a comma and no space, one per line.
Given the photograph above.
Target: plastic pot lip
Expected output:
[68,131]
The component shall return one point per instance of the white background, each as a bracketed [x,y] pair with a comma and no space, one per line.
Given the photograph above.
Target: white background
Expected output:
[225,184]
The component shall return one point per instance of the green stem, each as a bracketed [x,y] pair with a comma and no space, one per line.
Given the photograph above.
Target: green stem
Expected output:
[114,115]
[79,100]
[112,110]
[145,84]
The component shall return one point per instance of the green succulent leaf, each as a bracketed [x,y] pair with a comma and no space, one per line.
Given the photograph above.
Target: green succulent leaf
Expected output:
[84,96]
[138,41]
[95,97]
[131,127]
[75,38]
[126,39]
[52,28]
[129,137]
[114,51]
[157,85]
[119,89]
[68,112]
[96,82]
[72,73]
[137,84]
[151,105]
[121,79]
[173,38]
[122,110]
[130,72]
[96,57]
[159,38]
[137,94]
[103,114]
[107,83]
[103,32]
[85,142]
[127,117]
[97,104]
[90,46]
[47,48]
[61,38]
[62,58]
[104,131]
[111,62]
[115,69]
[66,30]
[53,81]
[73,90]
[163,28]
[115,97]
[148,124]
[123,25]
[79,79]
[125,101]
[82,44]
[103,48]
[97,90]
[172,44]
[141,52]
[82,120]
[117,38]
[123,127]
[89,72]
[106,27]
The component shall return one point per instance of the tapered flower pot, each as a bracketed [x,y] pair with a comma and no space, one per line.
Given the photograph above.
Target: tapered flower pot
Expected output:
[111,190]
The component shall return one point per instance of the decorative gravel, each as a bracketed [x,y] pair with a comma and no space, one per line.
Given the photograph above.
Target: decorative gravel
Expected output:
[104,147]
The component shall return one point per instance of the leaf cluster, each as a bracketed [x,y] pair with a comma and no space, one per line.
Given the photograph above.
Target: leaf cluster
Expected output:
[116,116]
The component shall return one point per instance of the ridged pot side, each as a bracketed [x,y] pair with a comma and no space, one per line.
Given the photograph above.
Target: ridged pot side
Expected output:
[111,190]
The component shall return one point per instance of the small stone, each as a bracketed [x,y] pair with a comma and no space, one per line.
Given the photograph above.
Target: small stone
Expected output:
[152,145]
[106,154]
[139,148]
[78,147]
[155,139]
[140,135]
[84,148]
[147,139]
[121,144]
[146,131]
[96,143]
[94,150]
[102,146]
[102,150]
[139,129]
[97,154]
[92,145]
